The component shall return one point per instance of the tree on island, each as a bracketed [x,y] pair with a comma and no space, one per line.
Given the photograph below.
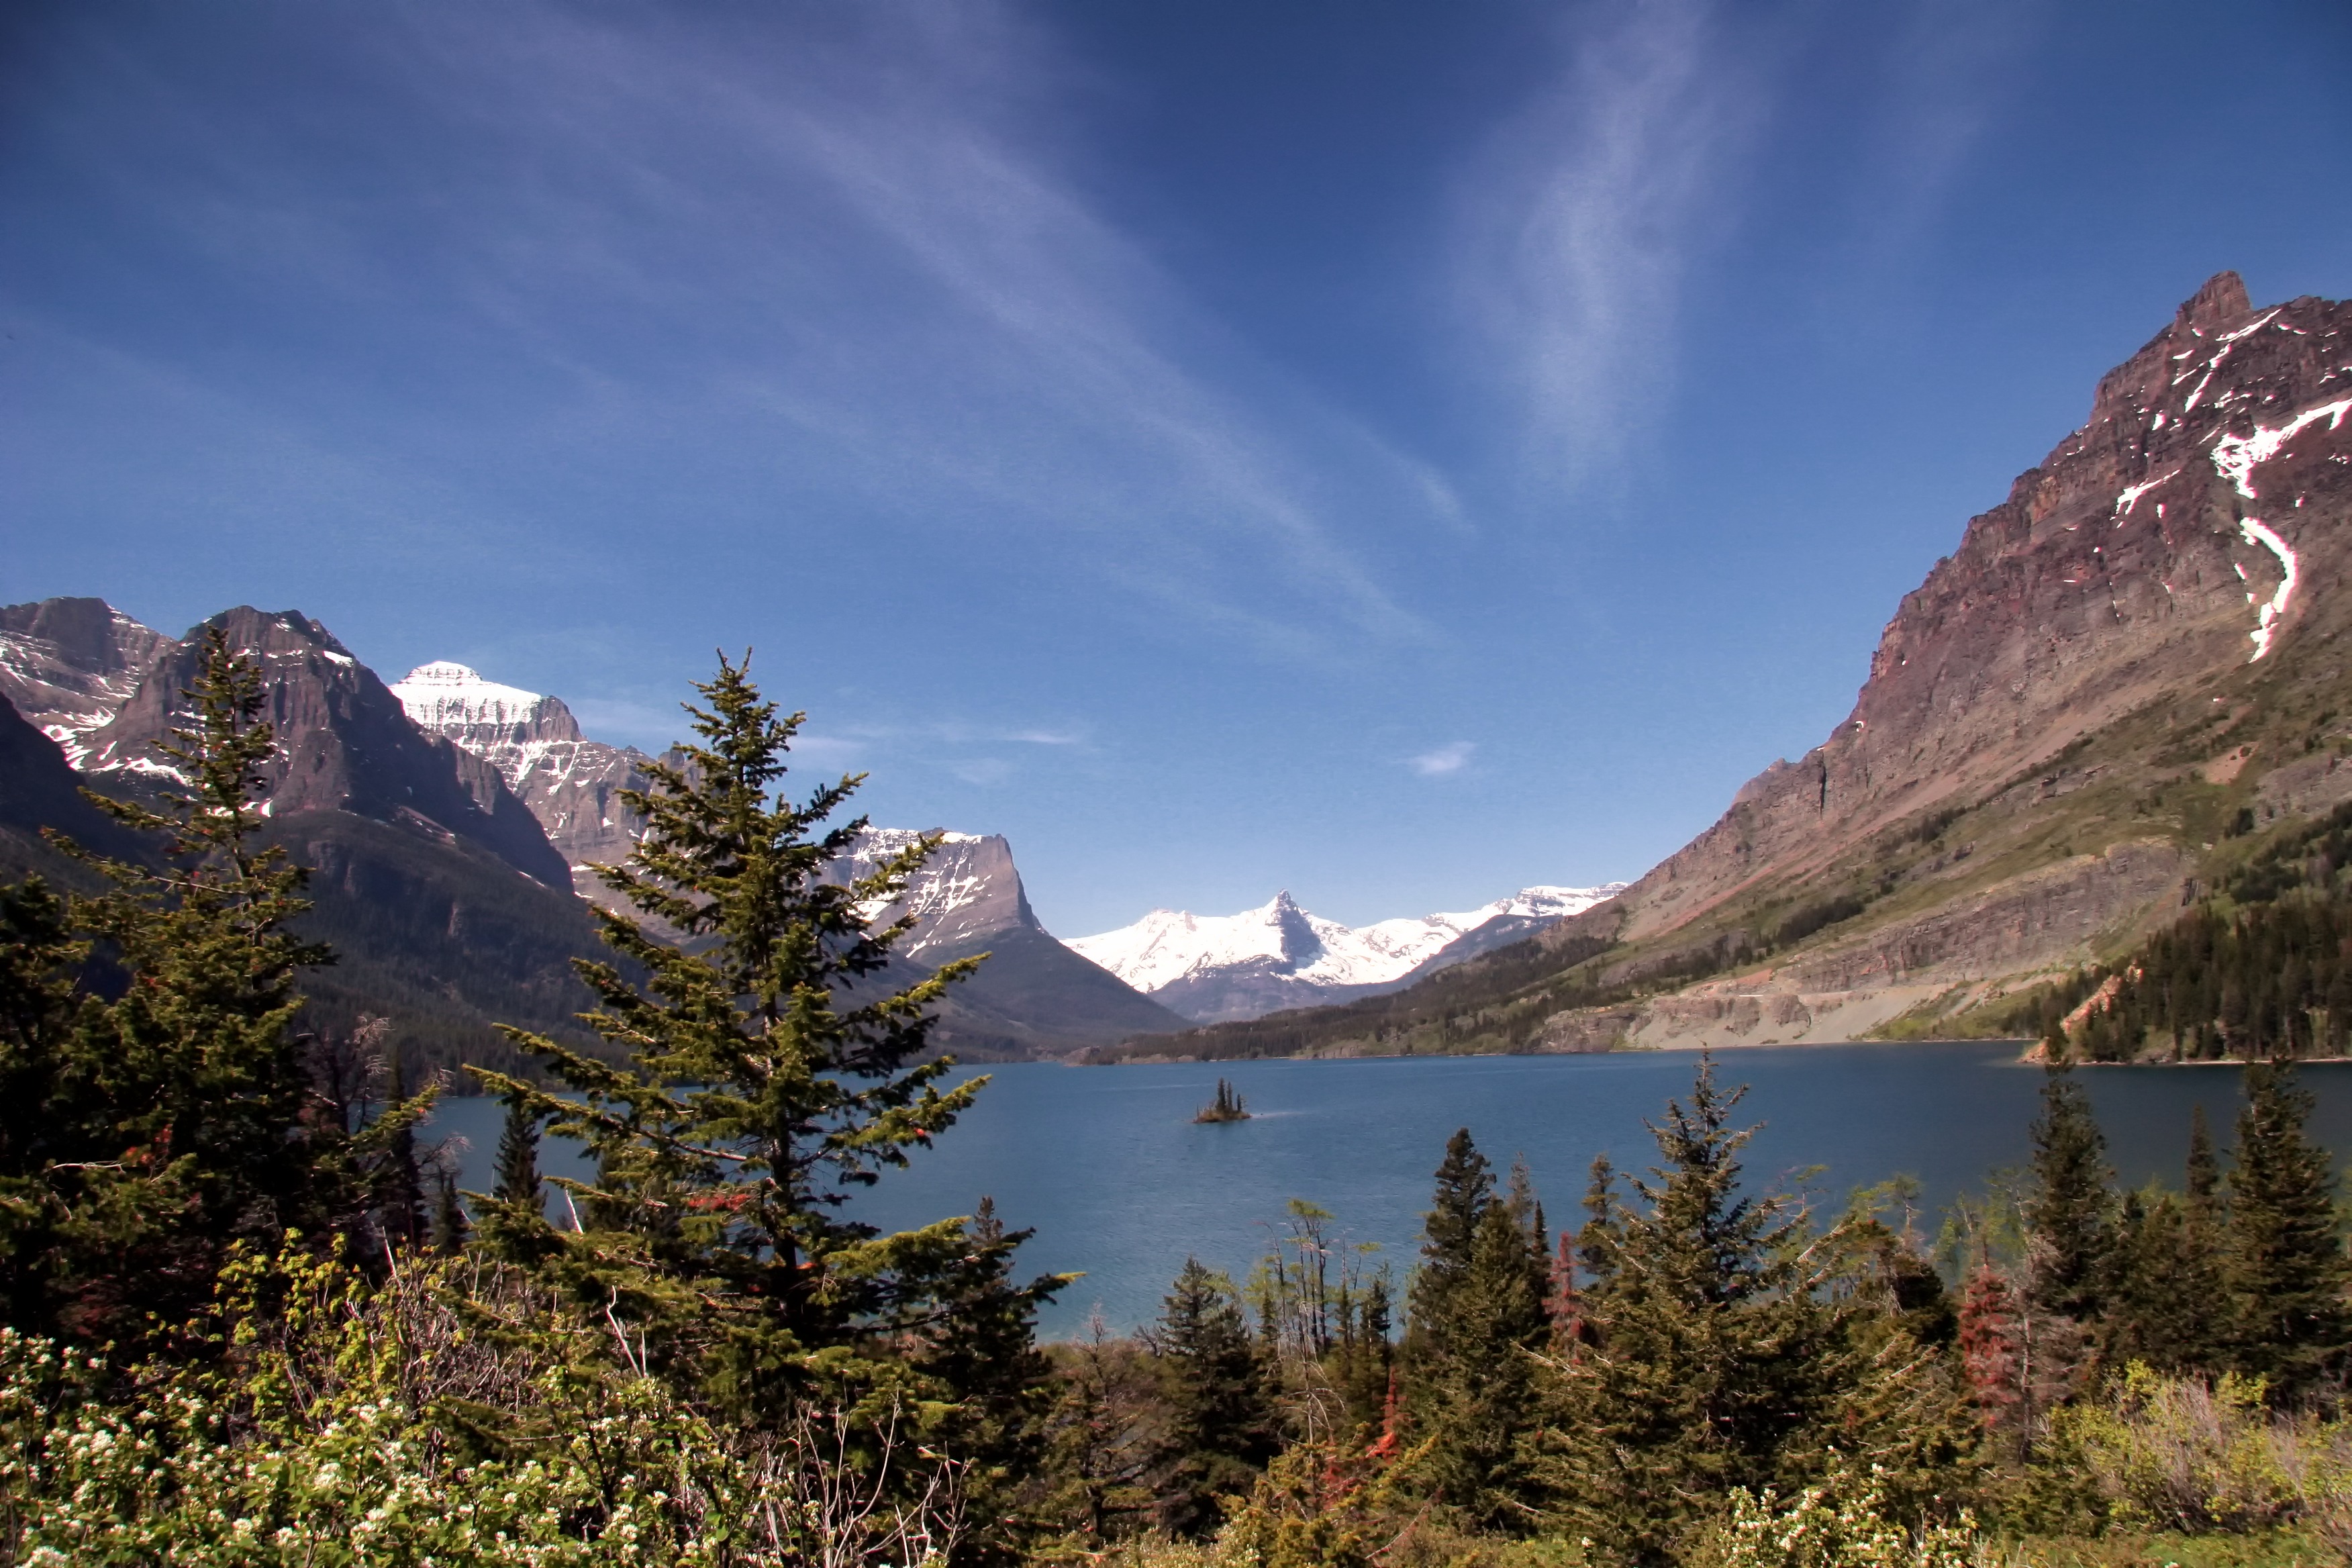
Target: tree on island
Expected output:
[1229,1106]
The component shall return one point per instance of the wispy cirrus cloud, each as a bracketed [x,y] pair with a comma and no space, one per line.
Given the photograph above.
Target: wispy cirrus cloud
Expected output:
[1441,761]
[772,264]
[1580,223]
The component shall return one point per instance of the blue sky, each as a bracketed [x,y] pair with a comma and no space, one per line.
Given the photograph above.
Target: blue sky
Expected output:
[1396,452]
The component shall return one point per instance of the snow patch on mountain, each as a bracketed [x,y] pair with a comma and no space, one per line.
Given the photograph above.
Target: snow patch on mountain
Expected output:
[1170,945]
[441,695]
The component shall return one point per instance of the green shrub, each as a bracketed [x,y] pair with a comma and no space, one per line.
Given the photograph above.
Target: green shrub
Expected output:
[2186,1454]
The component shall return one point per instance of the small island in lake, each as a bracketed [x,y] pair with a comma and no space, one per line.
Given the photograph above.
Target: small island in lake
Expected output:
[1227,1107]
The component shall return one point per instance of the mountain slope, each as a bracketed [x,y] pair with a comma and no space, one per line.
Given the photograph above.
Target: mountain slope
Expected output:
[1213,968]
[447,909]
[1033,996]
[66,665]
[2140,654]
[345,742]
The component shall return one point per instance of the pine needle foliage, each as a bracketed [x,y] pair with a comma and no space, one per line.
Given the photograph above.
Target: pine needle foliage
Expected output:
[1727,1343]
[2285,1263]
[770,1068]
[158,1126]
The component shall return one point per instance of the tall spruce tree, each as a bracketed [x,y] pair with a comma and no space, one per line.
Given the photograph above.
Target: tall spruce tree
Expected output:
[2168,1304]
[1474,1387]
[1465,1186]
[41,1124]
[1221,1429]
[771,1067]
[2286,1262]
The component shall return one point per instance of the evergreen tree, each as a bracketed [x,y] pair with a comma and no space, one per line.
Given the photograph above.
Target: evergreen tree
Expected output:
[2167,1303]
[173,1118]
[770,1069]
[400,1206]
[450,1225]
[1474,1387]
[519,1181]
[1221,1429]
[1002,1381]
[1465,1186]
[2285,1261]
[1990,1342]
[2201,1179]
[2067,1209]
[1724,1353]
[39,1004]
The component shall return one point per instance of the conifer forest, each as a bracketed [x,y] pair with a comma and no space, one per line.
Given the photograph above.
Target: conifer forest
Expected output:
[252,1318]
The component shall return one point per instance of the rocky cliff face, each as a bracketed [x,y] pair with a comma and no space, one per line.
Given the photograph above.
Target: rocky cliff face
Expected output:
[570,784]
[2195,523]
[65,665]
[968,888]
[345,743]
[2167,582]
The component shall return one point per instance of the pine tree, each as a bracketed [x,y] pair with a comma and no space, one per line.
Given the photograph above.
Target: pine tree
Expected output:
[1003,1385]
[772,1068]
[2285,1263]
[1991,1363]
[1726,1351]
[40,1004]
[519,1181]
[1465,1186]
[2168,1304]
[1474,1387]
[176,1112]
[2202,1178]
[1221,1430]
[400,1205]
[2067,1211]
[451,1225]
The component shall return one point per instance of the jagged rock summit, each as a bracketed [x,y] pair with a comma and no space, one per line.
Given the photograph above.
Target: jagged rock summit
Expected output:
[66,665]
[1033,997]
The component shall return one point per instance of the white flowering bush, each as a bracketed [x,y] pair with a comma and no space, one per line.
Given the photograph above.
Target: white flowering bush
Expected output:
[1844,1523]
[348,1427]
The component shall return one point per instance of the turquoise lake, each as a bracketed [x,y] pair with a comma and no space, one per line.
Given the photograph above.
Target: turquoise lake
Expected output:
[1109,1169]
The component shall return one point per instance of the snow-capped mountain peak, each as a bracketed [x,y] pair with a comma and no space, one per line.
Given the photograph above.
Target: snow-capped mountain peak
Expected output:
[1280,955]
[451,699]
[570,784]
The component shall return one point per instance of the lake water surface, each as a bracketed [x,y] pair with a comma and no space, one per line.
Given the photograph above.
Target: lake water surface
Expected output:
[1107,1166]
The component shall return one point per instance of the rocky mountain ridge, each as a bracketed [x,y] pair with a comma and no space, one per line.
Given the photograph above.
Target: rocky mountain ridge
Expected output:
[2133,666]
[415,805]
[1211,968]
[2173,562]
